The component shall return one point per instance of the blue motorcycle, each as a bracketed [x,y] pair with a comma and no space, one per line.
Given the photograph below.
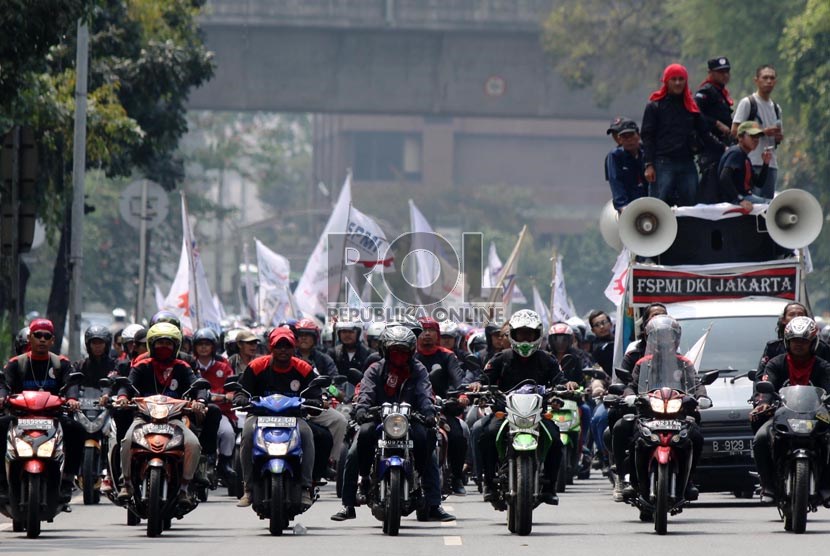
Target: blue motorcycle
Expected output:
[277,454]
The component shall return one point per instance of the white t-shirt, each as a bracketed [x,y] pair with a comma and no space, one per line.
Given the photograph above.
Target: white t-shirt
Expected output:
[766,113]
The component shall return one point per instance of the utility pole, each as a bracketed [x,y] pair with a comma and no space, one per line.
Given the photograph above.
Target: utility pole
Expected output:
[76,254]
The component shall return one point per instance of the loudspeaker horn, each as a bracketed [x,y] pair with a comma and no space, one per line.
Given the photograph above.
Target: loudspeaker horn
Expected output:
[647,227]
[794,219]
[609,227]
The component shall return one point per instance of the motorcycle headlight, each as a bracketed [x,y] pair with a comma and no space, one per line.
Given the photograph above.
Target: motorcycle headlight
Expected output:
[159,411]
[657,405]
[395,425]
[674,406]
[277,449]
[45,450]
[523,422]
[802,426]
[23,448]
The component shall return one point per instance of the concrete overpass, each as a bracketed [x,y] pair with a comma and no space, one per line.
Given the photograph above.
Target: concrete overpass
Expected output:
[419,57]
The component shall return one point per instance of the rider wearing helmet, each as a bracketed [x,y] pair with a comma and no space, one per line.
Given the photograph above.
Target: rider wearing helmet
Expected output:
[399,377]
[662,337]
[209,365]
[21,341]
[349,351]
[562,345]
[278,373]
[39,369]
[799,365]
[229,342]
[506,370]
[373,334]
[162,373]
[776,347]
[98,364]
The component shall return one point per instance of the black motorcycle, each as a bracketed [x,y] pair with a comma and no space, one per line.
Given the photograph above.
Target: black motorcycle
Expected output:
[798,437]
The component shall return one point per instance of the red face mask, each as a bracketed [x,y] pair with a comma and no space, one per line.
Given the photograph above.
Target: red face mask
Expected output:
[398,358]
[163,353]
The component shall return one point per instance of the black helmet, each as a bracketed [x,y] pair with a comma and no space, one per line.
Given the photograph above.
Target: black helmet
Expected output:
[97,332]
[166,316]
[21,341]
[206,335]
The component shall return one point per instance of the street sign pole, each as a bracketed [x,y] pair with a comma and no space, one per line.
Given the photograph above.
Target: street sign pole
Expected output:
[15,249]
[142,254]
[76,254]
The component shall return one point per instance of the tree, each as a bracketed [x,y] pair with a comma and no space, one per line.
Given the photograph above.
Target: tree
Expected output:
[145,57]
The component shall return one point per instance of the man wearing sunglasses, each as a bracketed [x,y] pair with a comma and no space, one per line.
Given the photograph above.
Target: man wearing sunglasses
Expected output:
[41,370]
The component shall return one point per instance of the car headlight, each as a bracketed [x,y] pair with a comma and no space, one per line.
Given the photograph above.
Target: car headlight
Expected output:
[523,422]
[277,448]
[395,425]
[159,411]
[23,448]
[802,426]
[657,405]
[674,406]
[45,450]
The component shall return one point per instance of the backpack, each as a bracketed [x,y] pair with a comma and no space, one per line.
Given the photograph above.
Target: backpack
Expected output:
[753,110]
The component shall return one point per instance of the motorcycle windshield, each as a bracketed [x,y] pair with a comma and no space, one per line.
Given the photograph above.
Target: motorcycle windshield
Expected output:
[661,367]
[802,399]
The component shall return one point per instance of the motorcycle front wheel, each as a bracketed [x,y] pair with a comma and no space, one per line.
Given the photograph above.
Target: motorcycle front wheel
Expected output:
[33,484]
[800,492]
[661,502]
[155,523]
[392,518]
[523,502]
[90,476]
[278,518]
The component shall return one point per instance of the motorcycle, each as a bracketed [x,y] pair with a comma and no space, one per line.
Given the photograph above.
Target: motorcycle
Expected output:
[277,454]
[95,421]
[157,459]
[662,444]
[395,486]
[799,436]
[568,419]
[522,445]
[35,458]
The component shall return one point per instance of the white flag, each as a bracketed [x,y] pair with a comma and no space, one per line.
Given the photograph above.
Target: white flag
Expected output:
[366,242]
[616,287]
[434,274]
[491,273]
[159,297]
[312,289]
[274,270]
[190,297]
[695,353]
[561,309]
[540,307]
[219,306]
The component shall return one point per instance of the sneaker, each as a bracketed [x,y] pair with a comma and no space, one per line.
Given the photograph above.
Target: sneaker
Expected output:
[767,497]
[124,495]
[458,487]
[436,513]
[245,501]
[490,493]
[106,485]
[629,492]
[307,498]
[618,491]
[183,498]
[346,512]
[549,498]
[692,493]
[66,491]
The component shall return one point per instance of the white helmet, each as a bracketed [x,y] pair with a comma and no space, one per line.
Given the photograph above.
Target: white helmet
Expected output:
[803,328]
[449,328]
[375,330]
[129,332]
[530,320]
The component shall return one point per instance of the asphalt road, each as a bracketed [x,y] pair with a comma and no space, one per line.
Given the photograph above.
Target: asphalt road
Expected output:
[587,521]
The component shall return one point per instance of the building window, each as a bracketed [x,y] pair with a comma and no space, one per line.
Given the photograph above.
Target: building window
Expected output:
[386,156]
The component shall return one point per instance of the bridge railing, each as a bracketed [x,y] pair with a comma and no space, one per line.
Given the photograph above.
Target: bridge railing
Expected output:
[519,15]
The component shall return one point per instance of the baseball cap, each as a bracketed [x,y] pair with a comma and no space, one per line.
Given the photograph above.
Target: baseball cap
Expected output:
[245,335]
[719,63]
[628,126]
[751,127]
[614,126]
[280,334]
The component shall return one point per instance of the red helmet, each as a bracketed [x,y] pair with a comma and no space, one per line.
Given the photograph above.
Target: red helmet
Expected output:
[429,323]
[307,326]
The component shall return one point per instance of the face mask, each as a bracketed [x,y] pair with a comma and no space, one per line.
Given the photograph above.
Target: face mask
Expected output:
[398,359]
[163,353]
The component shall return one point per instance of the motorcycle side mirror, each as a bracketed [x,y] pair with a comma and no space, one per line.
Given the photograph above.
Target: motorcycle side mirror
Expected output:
[752,374]
[623,375]
[320,381]
[630,400]
[764,387]
[472,361]
[709,377]
[74,378]
[232,386]
[598,374]
[354,375]
[231,379]
[704,402]
[616,389]
[200,384]
[105,382]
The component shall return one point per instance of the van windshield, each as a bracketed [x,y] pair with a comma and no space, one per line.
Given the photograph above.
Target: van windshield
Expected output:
[735,343]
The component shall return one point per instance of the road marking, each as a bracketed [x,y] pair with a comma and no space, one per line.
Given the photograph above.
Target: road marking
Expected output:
[449,508]
[452,541]
[448,523]
[6,527]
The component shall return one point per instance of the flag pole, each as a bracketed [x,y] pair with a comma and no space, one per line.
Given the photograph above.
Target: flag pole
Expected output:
[194,291]
[554,260]
[514,255]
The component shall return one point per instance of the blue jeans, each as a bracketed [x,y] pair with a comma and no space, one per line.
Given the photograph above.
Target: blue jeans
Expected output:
[767,190]
[599,422]
[676,182]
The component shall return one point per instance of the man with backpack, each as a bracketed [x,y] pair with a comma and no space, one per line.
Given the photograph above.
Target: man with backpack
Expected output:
[760,107]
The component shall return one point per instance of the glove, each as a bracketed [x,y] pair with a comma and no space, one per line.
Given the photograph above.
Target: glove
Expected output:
[361,415]
[429,421]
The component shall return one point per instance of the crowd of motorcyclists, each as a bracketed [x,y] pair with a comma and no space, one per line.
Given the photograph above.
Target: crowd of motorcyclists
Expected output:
[452,376]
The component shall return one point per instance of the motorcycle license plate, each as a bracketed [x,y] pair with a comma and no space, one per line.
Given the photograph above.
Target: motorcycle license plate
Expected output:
[276,421]
[665,425]
[158,428]
[35,424]
[731,446]
[89,403]
[396,444]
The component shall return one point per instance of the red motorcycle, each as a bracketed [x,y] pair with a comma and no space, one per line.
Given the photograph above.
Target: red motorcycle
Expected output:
[34,459]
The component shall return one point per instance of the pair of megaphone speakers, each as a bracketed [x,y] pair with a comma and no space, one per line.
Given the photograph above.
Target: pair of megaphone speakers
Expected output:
[648,227]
